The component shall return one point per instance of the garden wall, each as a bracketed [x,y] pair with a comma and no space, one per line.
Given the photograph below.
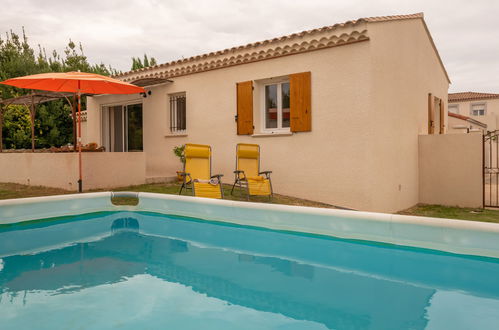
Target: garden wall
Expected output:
[451,169]
[60,170]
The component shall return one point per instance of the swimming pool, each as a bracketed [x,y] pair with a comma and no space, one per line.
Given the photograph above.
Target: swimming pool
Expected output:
[129,268]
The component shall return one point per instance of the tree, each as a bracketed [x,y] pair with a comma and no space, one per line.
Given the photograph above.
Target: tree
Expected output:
[17,127]
[137,63]
[53,123]
[17,59]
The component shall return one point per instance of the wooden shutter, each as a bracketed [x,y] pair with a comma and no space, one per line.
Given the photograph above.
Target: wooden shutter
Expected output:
[245,108]
[300,102]
[442,117]
[431,114]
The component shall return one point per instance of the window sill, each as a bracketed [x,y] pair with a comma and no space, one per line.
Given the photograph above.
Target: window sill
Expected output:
[172,135]
[272,134]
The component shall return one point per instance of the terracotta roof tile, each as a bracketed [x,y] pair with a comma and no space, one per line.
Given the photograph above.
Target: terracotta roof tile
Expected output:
[470,96]
[280,39]
[392,18]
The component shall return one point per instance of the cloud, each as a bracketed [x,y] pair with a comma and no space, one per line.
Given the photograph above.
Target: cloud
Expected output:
[113,31]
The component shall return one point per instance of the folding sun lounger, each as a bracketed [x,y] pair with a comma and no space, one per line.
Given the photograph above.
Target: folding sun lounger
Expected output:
[197,172]
[247,173]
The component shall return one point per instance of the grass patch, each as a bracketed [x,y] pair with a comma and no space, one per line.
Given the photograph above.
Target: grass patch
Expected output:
[14,190]
[125,201]
[173,188]
[449,212]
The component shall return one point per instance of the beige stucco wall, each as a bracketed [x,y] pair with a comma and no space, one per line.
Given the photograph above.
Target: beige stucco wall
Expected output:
[404,70]
[491,117]
[460,126]
[60,170]
[457,126]
[444,183]
[369,103]
[315,165]
[84,134]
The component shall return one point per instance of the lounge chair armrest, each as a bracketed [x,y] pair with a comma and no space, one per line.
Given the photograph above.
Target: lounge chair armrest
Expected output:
[217,176]
[238,173]
[185,175]
[267,173]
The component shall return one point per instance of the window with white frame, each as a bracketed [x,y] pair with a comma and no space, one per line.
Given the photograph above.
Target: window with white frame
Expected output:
[276,106]
[478,109]
[454,108]
[178,115]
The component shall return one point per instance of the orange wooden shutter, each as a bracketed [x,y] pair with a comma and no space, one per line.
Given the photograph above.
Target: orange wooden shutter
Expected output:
[300,102]
[442,117]
[431,114]
[245,108]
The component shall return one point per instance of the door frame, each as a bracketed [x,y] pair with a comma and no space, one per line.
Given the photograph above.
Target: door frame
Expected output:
[123,106]
[431,114]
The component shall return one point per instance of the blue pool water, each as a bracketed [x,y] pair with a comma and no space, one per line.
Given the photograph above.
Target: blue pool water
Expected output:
[124,270]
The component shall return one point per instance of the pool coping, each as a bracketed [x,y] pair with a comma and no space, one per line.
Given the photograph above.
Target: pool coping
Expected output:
[449,235]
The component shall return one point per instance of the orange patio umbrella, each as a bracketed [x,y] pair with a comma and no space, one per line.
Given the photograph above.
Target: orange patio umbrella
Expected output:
[78,83]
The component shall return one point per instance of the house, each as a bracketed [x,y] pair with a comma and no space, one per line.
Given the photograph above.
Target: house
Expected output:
[464,124]
[336,110]
[483,107]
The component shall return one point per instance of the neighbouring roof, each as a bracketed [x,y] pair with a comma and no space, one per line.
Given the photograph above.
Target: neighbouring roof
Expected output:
[325,37]
[471,96]
[468,119]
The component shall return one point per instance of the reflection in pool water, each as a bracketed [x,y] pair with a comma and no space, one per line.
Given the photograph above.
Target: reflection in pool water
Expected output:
[137,270]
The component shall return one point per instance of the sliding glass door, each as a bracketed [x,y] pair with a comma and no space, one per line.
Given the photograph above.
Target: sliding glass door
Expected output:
[122,127]
[134,127]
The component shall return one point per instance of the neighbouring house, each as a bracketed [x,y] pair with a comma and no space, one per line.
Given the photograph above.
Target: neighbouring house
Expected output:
[483,107]
[336,110]
[464,124]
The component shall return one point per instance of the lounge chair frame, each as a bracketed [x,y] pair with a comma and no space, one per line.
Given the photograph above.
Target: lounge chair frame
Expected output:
[188,184]
[242,183]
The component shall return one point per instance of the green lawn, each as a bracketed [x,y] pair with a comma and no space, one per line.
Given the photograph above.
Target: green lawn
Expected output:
[14,190]
[439,211]
[11,190]
[174,189]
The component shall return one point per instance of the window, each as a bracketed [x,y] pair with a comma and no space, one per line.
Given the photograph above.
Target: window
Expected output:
[284,105]
[276,106]
[478,109]
[178,116]
[454,108]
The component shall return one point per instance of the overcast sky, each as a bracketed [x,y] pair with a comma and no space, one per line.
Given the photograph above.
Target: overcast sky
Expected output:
[112,31]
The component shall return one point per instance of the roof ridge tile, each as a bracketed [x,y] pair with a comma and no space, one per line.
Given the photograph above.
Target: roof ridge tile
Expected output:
[277,39]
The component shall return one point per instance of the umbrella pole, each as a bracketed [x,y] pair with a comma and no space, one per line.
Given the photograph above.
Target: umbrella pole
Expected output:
[75,133]
[32,116]
[1,128]
[80,181]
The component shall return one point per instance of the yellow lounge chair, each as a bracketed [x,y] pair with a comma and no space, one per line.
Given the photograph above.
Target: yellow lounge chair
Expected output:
[197,172]
[247,173]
